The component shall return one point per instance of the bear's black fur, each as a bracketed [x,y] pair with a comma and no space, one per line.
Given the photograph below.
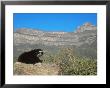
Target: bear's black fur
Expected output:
[31,57]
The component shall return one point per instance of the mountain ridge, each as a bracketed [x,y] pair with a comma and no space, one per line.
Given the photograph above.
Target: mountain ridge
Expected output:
[26,39]
[57,38]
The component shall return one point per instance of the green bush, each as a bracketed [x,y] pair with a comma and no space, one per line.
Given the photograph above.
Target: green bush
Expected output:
[70,63]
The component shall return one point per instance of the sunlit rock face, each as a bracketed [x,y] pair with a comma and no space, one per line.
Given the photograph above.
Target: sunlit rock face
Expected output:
[86,26]
[29,36]
[37,69]
[85,37]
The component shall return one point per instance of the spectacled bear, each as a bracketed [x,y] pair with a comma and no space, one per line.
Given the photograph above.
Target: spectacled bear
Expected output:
[31,57]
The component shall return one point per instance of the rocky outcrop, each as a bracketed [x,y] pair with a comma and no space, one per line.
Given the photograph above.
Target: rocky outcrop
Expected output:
[37,69]
[86,26]
[29,36]
[85,37]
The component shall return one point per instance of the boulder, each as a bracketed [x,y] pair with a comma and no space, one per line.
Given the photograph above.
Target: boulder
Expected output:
[36,69]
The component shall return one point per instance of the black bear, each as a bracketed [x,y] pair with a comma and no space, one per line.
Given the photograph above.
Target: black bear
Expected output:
[31,57]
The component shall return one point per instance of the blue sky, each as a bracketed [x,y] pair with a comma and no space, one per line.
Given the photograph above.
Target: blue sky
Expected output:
[66,22]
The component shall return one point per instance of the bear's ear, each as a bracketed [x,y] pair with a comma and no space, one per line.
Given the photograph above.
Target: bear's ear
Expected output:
[32,51]
[35,50]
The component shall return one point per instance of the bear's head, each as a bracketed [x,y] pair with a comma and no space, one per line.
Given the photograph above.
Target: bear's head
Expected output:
[38,52]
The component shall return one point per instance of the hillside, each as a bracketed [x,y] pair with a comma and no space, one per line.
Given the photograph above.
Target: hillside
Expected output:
[83,40]
[84,34]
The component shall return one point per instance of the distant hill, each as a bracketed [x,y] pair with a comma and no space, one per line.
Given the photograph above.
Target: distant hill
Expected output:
[83,40]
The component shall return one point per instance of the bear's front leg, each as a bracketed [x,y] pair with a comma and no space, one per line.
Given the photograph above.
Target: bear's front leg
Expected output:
[40,61]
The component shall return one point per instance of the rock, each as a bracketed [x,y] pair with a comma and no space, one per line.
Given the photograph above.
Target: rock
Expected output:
[37,69]
[86,26]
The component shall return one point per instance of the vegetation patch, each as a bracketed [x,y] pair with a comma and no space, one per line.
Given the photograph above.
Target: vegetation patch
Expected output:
[72,64]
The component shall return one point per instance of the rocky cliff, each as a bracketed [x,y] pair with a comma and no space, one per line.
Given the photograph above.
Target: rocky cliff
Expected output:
[84,37]
[84,34]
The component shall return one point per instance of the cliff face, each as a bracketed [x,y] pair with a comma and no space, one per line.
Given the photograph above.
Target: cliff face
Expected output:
[86,26]
[85,35]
